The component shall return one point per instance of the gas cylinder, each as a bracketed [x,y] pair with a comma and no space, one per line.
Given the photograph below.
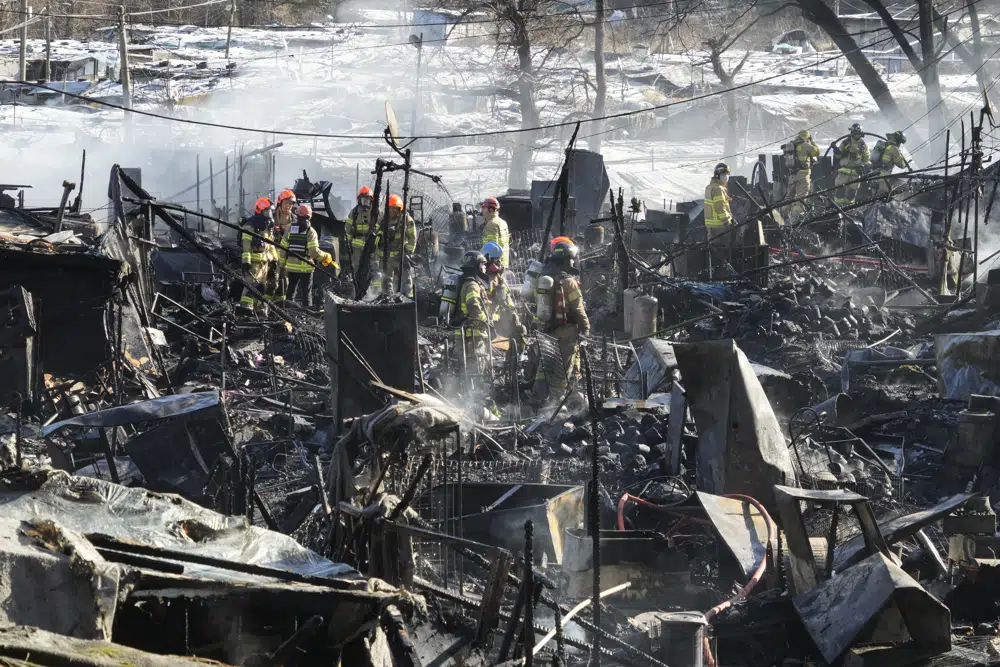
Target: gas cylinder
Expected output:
[594,236]
[644,316]
[531,281]
[545,301]
[628,304]
[449,298]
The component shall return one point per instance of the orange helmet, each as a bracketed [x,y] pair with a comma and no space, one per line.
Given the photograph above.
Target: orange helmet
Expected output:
[304,211]
[395,201]
[491,202]
[365,191]
[286,194]
[261,205]
[560,239]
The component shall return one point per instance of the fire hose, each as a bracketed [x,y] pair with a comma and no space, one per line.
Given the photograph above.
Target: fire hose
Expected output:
[746,590]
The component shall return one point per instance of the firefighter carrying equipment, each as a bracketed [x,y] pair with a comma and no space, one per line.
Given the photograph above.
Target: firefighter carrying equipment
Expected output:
[801,153]
[717,211]
[854,159]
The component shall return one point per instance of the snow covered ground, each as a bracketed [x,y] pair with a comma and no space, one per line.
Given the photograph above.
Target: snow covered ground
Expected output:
[335,80]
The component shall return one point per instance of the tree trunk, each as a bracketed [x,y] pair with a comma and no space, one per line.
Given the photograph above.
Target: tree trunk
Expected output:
[817,12]
[524,142]
[602,84]
[732,146]
[929,75]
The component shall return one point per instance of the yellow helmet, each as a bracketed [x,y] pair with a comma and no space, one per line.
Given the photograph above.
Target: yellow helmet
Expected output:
[804,135]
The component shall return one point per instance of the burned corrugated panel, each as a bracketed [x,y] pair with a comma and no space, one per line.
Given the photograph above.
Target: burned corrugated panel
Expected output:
[385,336]
[72,291]
[19,369]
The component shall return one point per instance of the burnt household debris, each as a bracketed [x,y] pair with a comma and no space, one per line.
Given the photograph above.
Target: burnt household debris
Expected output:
[625,437]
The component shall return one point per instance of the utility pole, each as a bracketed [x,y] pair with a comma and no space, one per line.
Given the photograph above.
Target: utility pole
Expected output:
[22,64]
[48,42]
[419,43]
[229,33]
[125,77]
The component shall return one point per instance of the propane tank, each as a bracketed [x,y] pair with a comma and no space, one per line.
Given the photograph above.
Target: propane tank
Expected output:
[594,236]
[531,281]
[644,316]
[628,304]
[449,298]
[544,301]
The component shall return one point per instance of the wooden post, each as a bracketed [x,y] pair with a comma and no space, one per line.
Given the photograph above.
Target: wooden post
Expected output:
[229,32]
[22,63]
[125,77]
[48,42]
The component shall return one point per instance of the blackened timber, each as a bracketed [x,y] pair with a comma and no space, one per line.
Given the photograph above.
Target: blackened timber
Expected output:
[106,542]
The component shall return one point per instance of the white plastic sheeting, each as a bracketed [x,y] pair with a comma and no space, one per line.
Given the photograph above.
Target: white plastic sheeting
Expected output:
[166,521]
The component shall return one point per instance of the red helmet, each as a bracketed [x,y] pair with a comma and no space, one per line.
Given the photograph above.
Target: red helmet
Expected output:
[261,205]
[304,211]
[365,191]
[395,201]
[286,194]
[491,202]
[560,239]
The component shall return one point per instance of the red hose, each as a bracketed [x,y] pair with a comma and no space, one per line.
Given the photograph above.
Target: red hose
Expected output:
[754,580]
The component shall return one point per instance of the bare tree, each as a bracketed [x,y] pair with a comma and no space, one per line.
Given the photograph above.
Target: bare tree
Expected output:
[819,13]
[602,84]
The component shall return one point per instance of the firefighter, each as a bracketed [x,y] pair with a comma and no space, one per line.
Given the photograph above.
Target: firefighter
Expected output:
[802,155]
[358,223]
[889,157]
[565,315]
[854,159]
[284,214]
[402,240]
[302,240]
[258,255]
[719,224]
[503,314]
[495,228]
[472,313]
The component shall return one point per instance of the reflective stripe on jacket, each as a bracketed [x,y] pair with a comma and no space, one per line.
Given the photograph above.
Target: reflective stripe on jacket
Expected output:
[300,239]
[358,224]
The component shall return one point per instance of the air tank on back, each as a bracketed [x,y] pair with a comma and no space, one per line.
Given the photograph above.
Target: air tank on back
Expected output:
[644,316]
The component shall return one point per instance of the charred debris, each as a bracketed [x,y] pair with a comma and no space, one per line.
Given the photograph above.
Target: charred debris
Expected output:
[780,453]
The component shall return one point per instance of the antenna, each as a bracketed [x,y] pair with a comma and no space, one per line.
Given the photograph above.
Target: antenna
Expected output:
[392,131]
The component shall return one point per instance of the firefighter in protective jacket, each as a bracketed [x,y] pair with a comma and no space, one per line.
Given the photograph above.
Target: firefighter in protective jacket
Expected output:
[495,228]
[402,239]
[802,155]
[855,158]
[300,241]
[890,156]
[567,320]
[258,256]
[472,315]
[358,224]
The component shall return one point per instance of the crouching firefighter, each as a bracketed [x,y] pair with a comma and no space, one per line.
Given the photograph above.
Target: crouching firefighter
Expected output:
[302,240]
[561,313]
[258,256]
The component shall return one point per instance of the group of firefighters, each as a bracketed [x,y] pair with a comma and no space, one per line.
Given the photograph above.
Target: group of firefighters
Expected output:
[856,164]
[280,250]
[482,301]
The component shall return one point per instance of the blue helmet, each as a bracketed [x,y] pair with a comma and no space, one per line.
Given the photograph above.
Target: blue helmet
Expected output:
[492,250]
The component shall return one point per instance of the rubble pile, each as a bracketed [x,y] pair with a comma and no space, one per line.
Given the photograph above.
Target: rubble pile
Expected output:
[777,458]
